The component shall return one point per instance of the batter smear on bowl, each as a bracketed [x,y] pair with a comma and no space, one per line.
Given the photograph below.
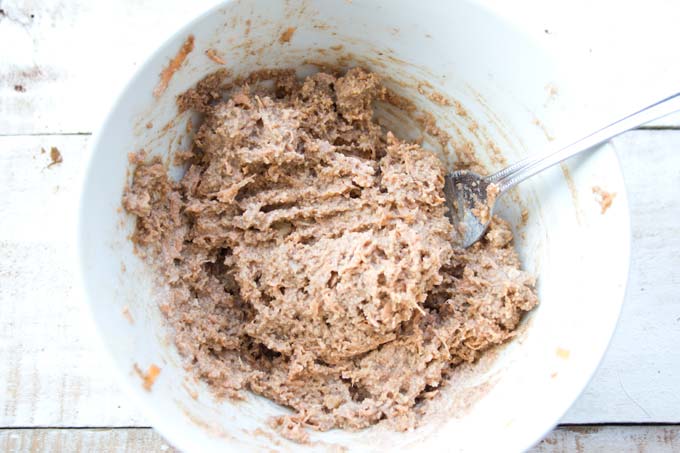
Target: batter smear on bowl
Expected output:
[310,259]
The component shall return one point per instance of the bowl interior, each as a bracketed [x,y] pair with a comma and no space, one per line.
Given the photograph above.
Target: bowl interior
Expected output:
[505,98]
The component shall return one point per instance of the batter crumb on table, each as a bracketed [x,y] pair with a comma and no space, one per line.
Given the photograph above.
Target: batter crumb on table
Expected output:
[310,260]
[55,157]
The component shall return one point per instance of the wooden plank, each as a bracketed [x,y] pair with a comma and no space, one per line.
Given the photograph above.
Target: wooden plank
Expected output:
[621,439]
[49,365]
[68,59]
[83,440]
[638,379]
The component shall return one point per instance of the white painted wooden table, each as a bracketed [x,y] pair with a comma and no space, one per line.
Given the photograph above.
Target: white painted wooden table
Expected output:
[60,63]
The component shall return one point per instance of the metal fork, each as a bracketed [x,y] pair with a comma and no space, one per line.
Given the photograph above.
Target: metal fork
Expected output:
[471,198]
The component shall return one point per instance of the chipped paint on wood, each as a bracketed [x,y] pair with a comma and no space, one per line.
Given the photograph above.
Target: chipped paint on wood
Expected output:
[83,440]
[578,439]
[583,439]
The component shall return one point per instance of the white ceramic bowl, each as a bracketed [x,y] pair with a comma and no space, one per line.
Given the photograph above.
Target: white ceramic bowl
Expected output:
[507,85]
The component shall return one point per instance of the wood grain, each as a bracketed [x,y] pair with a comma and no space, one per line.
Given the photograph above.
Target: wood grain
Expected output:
[50,366]
[83,440]
[638,379]
[50,371]
[621,439]
[68,59]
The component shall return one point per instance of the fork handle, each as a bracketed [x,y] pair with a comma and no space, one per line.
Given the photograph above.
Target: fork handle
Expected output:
[510,176]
